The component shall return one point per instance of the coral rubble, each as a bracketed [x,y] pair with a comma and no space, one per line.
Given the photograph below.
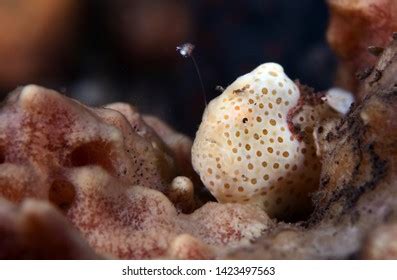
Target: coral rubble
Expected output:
[355,26]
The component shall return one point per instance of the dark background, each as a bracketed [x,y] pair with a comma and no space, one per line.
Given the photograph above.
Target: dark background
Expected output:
[124,50]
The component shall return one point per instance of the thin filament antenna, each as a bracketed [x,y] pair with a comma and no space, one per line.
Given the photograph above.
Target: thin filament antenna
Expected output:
[186,50]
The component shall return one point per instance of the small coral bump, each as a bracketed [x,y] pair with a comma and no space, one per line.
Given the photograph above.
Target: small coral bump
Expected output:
[181,193]
[339,99]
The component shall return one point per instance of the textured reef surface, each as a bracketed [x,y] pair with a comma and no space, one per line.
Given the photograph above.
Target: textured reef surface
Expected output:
[109,173]
[276,170]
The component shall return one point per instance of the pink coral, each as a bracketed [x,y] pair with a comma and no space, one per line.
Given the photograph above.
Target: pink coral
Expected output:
[110,173]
